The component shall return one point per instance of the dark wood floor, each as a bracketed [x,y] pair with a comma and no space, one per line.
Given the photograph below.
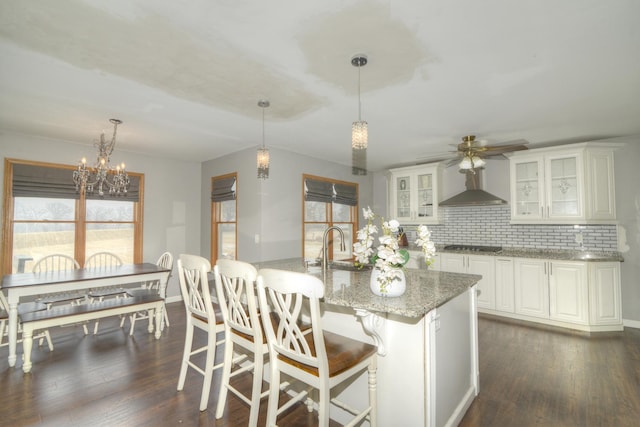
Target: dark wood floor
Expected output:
[528,376]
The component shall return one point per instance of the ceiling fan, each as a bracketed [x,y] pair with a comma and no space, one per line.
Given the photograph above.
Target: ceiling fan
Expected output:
[470,153]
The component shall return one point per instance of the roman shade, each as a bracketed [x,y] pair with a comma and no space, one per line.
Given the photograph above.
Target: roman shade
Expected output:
[43,181]
[224,189]
[57,183]
[132,194]
[345,194]
[318,191]
[330,192]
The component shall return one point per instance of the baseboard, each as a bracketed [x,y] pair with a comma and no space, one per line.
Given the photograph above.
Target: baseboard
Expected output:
[462,407]
[627,323]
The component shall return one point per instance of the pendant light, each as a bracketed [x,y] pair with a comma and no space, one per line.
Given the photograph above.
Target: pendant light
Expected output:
[359,131]
[263,152]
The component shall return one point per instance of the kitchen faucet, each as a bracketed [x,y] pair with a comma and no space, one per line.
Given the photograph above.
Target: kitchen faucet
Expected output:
[325,245]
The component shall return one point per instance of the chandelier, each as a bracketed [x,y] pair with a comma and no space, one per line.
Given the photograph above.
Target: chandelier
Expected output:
[102,177]
[263,152]
[359,132]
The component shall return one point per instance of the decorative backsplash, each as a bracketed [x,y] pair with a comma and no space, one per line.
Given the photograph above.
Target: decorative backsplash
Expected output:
[489,226]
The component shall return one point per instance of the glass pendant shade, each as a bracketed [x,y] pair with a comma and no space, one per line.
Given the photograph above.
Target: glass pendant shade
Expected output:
[263,163]
[359,135]
[478,162]
[465,163]
[263,152]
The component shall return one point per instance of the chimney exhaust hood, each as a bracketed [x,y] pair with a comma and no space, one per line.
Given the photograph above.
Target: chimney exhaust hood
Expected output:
[474,195]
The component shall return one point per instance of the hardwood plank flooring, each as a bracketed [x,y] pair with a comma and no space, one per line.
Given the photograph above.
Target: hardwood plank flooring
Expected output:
[533,375]
[529,375]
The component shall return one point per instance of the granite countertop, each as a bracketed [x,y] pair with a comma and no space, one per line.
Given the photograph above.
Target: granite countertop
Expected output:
[558,254]
[426,289]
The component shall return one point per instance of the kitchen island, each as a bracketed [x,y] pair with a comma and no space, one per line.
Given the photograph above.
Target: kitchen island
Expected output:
[426,338]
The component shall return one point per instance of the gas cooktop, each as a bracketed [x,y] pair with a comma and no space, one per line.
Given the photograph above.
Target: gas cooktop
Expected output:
[473,248]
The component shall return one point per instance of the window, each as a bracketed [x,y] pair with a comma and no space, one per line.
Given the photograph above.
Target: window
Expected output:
[224,217]
[328,203]
[43,214]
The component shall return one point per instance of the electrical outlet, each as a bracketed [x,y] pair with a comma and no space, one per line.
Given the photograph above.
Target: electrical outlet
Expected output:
[579,238]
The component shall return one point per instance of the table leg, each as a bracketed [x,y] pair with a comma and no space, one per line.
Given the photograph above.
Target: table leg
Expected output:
[13,331]
[158,312]
[27,344]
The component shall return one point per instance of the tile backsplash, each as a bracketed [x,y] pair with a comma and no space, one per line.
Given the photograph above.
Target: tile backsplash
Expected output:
[489,226]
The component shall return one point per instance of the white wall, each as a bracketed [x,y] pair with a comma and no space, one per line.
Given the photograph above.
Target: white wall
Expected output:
[628,214]
[172,191]
[272,208]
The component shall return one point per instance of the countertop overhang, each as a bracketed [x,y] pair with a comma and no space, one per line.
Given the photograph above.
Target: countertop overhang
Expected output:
[426,289]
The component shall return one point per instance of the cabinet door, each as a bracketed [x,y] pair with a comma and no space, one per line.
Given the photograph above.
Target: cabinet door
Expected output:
[531,288]
[564,178]
[527,188]
[600,187]
[424,199]
[505,299]
[454,263]
[568,291]
[604,293]
[484,266]
[401,196]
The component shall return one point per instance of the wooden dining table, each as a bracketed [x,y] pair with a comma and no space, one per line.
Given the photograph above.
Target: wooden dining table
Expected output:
[23,285]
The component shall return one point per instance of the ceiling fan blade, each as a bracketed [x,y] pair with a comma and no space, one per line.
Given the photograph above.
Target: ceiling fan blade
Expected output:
[492,150]
[504,143]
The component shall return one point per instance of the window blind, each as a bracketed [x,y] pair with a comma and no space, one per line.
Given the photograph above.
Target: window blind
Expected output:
[57,183]
[345,194]
[318,191]
[224,189]
[43,181]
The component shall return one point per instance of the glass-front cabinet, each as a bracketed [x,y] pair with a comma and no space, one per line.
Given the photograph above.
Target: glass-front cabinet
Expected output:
[413,194]
[567,184]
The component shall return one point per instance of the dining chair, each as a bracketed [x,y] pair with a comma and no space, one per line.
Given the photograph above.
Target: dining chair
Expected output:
[202,315]
[25,307]
[318,358]
[165,261]
[235,283]
[104,261]
[58,262]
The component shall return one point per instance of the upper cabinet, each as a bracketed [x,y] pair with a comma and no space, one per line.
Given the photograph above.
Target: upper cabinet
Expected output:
[570,184]
[414,193]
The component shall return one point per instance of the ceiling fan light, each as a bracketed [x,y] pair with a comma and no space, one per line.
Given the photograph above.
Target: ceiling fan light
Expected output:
[465,163]
[478,162]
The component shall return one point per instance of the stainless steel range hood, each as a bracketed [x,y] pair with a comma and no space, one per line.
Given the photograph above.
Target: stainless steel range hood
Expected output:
[474,195]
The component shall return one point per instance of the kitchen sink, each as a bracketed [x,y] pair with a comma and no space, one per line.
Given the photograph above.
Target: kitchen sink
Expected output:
[339,265]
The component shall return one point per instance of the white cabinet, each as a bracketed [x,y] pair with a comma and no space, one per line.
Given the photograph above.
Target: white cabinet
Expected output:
[604,293]
[416,260]
[555,290]
[531,288]
[474,264]
[505,298]
[414,194]
[568,184]
[568,292]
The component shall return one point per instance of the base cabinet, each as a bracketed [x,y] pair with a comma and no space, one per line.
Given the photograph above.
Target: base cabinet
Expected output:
[531,288]
[604,294]
[474,264]
[505,296]
[568,292]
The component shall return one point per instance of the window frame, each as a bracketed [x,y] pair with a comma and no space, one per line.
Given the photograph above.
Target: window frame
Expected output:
[353,212]
[215,216]
[8,221]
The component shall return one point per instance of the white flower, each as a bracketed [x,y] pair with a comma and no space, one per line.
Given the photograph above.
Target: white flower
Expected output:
[368,214]
[388,258]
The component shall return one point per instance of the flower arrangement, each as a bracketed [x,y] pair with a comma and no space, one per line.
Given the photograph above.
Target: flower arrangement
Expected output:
[388,257]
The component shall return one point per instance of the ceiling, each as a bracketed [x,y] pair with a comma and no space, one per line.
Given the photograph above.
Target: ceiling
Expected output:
[185,76]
